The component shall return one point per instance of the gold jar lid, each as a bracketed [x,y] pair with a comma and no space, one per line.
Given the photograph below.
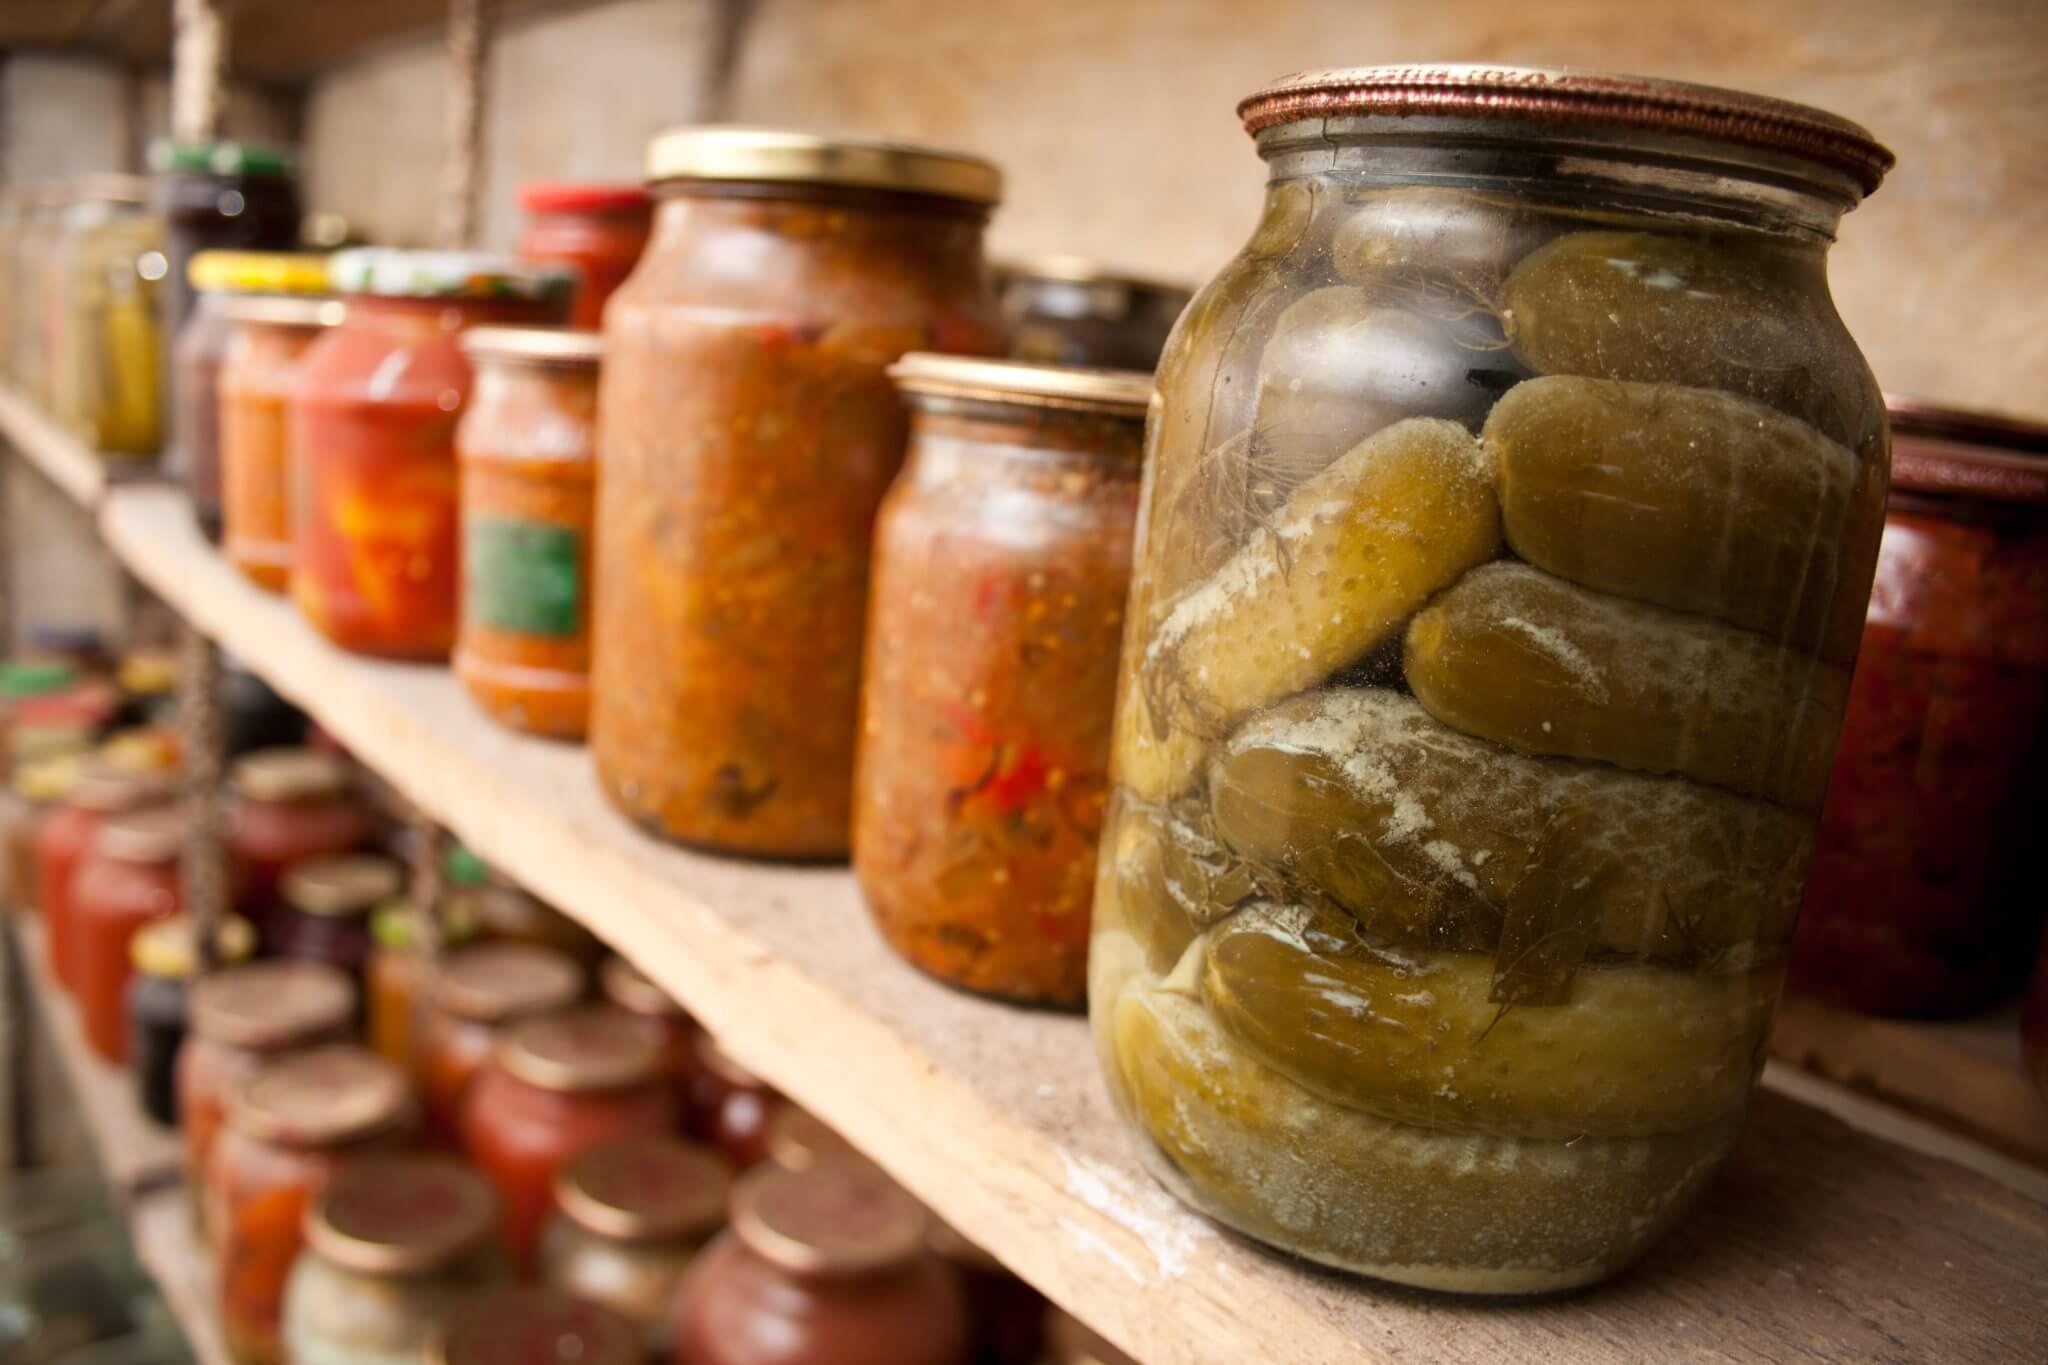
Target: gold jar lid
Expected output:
[626,986]
[835,1219]
[106,790]
[593,1048]
[646,1189]
[340,887]
[716,1060]
[1113,393]
[492,983]
[535,1327]
[780,156]
[268,1006]
[799,1139]
[170,947]
[401,1215]
[311,311]
[289,775]
[322,1097]
[537,345]
[143,836]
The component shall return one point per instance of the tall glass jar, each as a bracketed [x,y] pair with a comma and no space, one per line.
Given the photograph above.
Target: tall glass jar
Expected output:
[286,806]
[220,196]
[64,838]
[129,880]
[599,230]
[1062,310]
[736,510]
[115,267]
[1002,560]
[266,339]
[476,993]
[528,447]
[1511,510]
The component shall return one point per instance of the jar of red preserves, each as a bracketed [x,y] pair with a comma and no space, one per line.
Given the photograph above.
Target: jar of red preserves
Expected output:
[400,975]
[376,555]
[535,1327]
[821,1267]
[239,1019]
[730,1107]
[130,879]
[290,1126]
[600,230]
[785,275]
[554,1088]
[286,806]
[66,836]
[324,914]
[628,988]
[528,448]
[266,339]
[477,992]
[1002,560]
[1924,899]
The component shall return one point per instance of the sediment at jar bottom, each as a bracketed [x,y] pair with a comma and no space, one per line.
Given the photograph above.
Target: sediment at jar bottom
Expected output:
[1354,552]
[1433,838]
[1418,1037]
[1514,655]
[1700,501]
[1456,1212]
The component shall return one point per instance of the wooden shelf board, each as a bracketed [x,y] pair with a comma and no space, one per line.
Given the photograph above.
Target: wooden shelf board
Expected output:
[168,1247]
[1818,1242]
[80,474]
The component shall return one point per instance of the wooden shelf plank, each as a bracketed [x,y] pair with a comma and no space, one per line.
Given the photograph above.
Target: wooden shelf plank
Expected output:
[1819,1242]
[79,473]
[168,1247]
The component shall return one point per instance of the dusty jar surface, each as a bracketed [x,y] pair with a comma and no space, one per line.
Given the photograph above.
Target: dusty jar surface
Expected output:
[1507,534]
[736,510]
[1002,560]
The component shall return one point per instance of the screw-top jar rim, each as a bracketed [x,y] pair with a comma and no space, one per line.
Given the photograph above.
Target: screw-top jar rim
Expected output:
[339,887]
[322,1097]
[597,1047]
[169,948]
[1131,291]
[632,990]
[492,983]
[799,1139]
[401,1215]
[221,158]
[144,836]
[267,1006]
[402,273]
[258,272]
[105,790]
[834,1220]
[288,774]
[1113,393]
[782,156]
[1951,452]
[564,346]
[261,310]
[646,1189]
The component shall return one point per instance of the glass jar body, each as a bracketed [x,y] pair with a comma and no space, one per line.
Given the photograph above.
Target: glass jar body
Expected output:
[393,987]
[266,838]
[635,1278]
[1505,545]
[1002,561]
[737,510]
[602,244]
[202,211]
[256,373]
[110,900]
[528,445]
[200,348]
[208,1069]
[62,840]
[341,941]
[156,1036]
[116,334]
[452,1050]
[334,1315]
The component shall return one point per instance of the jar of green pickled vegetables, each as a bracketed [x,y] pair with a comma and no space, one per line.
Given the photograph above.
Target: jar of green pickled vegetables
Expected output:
[1512,507]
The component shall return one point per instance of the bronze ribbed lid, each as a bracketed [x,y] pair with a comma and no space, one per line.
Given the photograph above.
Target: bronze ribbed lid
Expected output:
[597,1047]
[493,983]
[352,884]
[268,1006]
[1967,454]
[104,790]
[289,775]
[142,836]
[401,1215]
[646,1189]
[322,1097]
[839,1218]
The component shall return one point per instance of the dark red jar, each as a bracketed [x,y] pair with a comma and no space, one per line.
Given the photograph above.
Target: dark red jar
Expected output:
[288,806]
[130,879]
[730,1107]
[599,229]
[324,911]
[629,988]
[64,838]
[1924,900]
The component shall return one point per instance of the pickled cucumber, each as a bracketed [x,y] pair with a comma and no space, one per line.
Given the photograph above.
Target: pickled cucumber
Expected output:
[1428,836]
[1514,655]
[1699,501]
[1416,1037]
[1352,555]
[1463,241]
[1447,1211]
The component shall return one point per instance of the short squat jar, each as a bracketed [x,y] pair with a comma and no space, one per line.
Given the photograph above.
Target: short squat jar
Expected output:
[1002,560]
[324,914]
[1511,507]
[287,806]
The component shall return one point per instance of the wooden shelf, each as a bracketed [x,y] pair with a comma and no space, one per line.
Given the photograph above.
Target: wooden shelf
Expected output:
[80,474]
[167,1245]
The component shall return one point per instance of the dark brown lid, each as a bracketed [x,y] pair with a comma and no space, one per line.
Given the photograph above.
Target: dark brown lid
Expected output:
[597,1047]
[319,1098]
[268,1006]
[1559,95]
[631,990]
[289,775]
[528,1326]
[353,884]
[492,983]
[719,1063]
[401,1215]
[1967,454]
[839,1218]
[142,836]
[799,1139]
[646,1189]
[108,791]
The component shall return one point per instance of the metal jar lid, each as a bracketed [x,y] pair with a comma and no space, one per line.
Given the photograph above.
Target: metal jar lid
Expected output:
[646,1189]
[169,948]
[576,1051]
[493,983]
[401,1215]
[308,313]
[269,1006]
[835,1220]
[1532,95]
[568,347]
[1113,393]
[718,1062]
[775,155]
[799,1139]
[289,775]
[322,1097]
[1950,452]
[532,1326]
[144,836]
[626,986]
[337,888]
[105,790]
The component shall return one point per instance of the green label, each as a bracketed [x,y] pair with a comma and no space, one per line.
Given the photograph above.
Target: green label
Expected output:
[522,576]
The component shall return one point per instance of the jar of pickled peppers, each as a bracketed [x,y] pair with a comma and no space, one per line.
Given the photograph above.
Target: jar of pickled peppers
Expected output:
[1512,504]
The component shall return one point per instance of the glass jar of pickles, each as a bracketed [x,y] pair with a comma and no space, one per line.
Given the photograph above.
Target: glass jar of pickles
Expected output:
[785,275]
[115,267]
[266,339]
[476,993]
[1002,560]
[1062,310]
[1513,503]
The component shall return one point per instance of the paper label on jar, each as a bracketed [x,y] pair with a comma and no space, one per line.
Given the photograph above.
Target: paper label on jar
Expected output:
[522,576]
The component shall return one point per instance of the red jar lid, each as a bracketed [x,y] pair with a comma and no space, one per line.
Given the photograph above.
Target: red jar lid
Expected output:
[1967,454]
[568,196]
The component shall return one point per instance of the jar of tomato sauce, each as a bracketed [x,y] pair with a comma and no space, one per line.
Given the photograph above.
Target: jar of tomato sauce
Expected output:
[266,339]
[67,835]
[376,555]
[1924,898]
[528,446]
[239,1019]
[599,230]
[325,911]
[130,879]
[628,988]
[821,1267]
[1002,560]
[476,993]
[785,275]
[554,1088]
[287,806]
[165,956]
[290,1126]
[535,1327]
[731,1108]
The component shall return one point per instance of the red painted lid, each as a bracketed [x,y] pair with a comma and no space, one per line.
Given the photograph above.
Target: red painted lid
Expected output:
[561,196]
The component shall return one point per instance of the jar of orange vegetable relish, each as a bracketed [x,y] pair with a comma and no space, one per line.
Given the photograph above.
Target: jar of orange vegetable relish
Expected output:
[528,446]
[748,433]
[1002,559]
[267,337]
[376,561]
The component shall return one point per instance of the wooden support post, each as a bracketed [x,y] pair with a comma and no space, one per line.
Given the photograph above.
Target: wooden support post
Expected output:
[203,868]
[429,894]
[198,55]
[468,33]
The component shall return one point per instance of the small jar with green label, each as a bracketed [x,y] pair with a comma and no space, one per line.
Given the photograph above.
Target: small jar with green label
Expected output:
[528,449]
